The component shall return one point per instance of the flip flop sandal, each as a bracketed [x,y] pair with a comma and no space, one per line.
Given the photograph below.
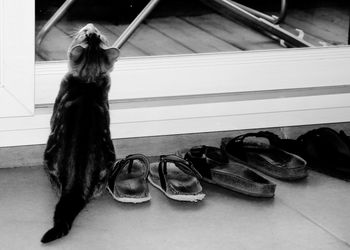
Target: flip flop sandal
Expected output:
[260,151]
[216,168]
[128,181]
[176,178]
[327,151]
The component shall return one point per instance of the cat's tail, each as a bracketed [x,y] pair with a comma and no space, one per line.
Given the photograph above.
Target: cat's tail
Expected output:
[67,208]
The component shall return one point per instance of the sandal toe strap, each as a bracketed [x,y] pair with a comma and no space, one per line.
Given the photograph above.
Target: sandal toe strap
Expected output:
[182,164]
[128,162]
[205,158]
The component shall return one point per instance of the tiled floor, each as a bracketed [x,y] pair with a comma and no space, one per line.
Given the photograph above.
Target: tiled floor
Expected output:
[311,214]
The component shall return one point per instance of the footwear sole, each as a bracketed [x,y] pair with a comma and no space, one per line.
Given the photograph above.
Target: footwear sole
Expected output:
[283,177]
[129,199]
[179,197]
[236,190]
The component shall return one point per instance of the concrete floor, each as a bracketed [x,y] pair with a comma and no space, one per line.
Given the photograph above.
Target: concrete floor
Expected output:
[311,214]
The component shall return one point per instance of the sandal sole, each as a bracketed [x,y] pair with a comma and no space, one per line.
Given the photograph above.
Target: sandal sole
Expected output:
[284,177]
[231,188]
[178,197]
[134,200]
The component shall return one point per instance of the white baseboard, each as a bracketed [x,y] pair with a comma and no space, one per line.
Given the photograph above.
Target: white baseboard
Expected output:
[206,115]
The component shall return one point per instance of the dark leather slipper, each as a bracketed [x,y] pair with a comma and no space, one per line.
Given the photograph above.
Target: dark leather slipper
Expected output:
[128,180]
[176,178]
[327,151]
[260,151]
[216,168]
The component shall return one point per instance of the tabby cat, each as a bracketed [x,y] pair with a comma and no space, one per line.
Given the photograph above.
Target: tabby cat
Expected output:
[79,153]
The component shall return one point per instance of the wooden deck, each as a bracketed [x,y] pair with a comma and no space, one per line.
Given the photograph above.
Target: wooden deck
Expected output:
[201,31]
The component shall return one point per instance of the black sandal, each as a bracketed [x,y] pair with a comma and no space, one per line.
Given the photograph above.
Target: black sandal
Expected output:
[176,178]
[216,168]
[261,151]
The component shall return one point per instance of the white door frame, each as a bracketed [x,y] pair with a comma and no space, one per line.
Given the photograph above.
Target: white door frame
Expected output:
[16,58]
[175,94]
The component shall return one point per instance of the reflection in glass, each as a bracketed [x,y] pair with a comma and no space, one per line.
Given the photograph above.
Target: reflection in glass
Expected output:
[184,27]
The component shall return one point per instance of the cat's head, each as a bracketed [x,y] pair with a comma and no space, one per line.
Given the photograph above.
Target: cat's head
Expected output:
[89,54]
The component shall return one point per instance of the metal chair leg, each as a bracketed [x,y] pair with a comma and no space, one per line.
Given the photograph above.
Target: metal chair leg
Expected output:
[229,8]
[52,21]
[270,18]
[135,23]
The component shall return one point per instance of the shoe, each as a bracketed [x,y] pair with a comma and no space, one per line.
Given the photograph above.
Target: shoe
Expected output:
[261,151]
[327,151]
[128,181]
[217,169]
[176,178]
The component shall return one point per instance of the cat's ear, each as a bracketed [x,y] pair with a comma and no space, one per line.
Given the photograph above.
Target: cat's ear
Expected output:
[112,55]
[75,53]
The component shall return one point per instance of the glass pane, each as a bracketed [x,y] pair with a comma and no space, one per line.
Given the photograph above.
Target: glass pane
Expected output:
[185,27]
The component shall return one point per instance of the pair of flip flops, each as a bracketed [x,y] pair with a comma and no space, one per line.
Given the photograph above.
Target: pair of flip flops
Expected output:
[172,175]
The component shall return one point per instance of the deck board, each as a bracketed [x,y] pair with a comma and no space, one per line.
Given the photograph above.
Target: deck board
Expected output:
[336,15]
[55,45]
[152,41]
[202,30]
[190,36]
[128,50]
[314,24]
[238,35]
